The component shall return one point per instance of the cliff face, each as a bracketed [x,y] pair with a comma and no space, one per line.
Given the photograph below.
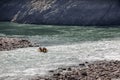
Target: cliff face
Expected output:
[70,12]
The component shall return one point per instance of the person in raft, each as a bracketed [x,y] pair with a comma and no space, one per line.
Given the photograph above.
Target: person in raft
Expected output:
[44,50]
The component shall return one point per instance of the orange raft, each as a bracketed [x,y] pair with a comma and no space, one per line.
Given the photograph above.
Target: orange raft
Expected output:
[44,50]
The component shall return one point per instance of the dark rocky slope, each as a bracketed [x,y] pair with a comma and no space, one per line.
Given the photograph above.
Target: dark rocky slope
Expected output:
[70,12]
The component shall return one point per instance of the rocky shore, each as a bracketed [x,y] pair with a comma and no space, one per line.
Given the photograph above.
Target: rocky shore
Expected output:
[13,43]
[98,70]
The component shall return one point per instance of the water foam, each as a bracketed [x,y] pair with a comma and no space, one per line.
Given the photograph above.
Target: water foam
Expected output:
[24,62]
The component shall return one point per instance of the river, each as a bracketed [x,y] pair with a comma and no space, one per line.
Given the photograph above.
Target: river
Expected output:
[67,45]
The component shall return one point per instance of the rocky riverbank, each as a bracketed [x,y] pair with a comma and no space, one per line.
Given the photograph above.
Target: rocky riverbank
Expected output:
[13,43]
[99,70]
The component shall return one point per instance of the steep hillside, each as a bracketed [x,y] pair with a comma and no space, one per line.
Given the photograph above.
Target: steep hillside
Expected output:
[64,12]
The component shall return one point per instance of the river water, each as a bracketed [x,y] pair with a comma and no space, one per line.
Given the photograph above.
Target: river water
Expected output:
[67,45]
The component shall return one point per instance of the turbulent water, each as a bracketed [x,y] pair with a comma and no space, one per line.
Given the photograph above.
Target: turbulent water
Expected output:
[67,45]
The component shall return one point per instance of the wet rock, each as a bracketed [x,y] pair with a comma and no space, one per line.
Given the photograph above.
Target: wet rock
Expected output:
[51,71]
[69,69]
[63,68]
[86,62]
[82,65]
[57,74]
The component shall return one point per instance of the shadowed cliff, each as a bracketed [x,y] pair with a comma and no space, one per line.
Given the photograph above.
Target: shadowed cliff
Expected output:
[61,12]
